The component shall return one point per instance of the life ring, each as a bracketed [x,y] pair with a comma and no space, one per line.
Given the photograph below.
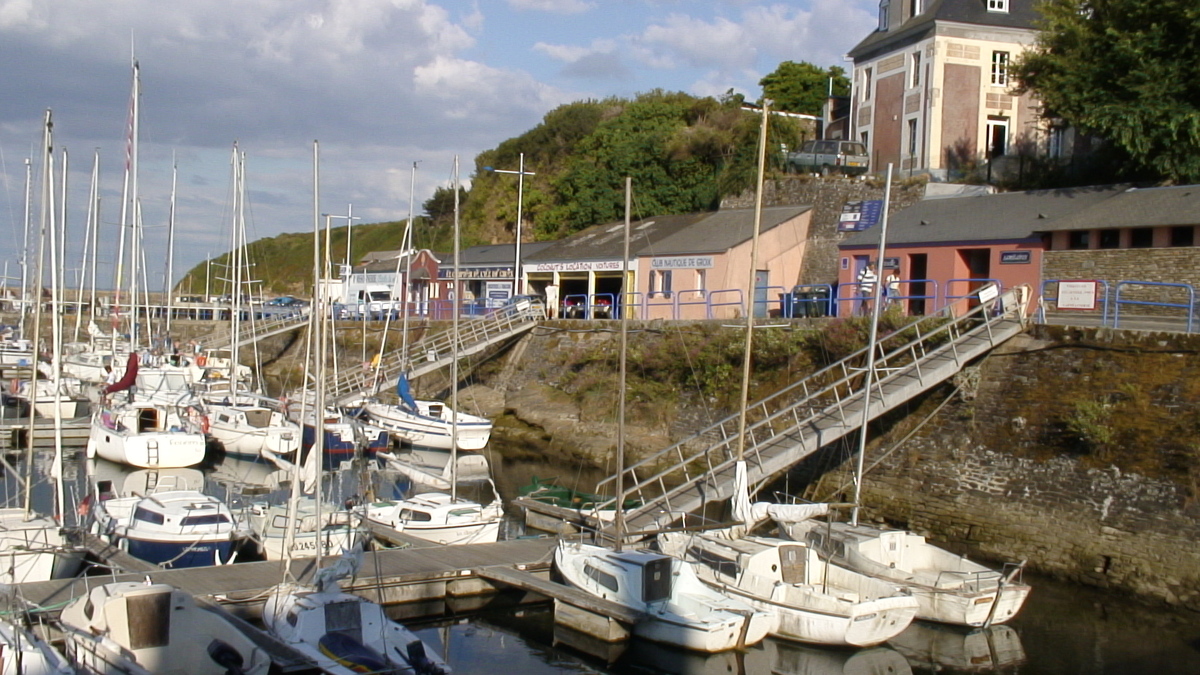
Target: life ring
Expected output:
[201,360]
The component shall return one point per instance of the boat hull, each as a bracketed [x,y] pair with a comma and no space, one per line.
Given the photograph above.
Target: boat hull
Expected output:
[433,429]
[159,450]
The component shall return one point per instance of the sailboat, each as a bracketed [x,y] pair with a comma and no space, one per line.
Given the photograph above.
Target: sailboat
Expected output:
[143,433]
[246,427]
[340,632]
[679,610]
[438,516]
[137,628]
[23,653]
[949,588]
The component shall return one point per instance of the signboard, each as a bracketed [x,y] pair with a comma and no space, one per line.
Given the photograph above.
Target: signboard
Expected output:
[1016,257]
[891,263]
[988,292]
[476,273]
[695,262]
[860,215]
[1077,295]
[583,266]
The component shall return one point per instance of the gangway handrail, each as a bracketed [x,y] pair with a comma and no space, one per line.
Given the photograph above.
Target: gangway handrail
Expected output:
[829,391]
[1190,305]
[433,349]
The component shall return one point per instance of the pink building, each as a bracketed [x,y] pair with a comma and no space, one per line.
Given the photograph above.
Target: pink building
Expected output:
[692,266]
[942,249]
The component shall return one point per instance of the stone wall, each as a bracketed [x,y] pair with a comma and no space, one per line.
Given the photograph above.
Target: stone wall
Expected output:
[999,476]
[826,195]
[1163,265]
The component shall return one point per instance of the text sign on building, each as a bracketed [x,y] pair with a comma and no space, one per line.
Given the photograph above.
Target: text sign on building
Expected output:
[476,273]
[581,266]
[695,262]
[860,215]
[1016,257]
[1077,294]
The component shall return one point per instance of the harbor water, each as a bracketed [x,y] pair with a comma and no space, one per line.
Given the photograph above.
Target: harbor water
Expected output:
[1064,629]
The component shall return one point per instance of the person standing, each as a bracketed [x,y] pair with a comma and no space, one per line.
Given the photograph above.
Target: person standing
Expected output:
[552,300]
[891,288]
[867,278]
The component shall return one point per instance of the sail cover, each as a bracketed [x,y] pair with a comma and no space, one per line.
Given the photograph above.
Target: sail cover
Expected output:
[127,380]
[404,391]
[758,512]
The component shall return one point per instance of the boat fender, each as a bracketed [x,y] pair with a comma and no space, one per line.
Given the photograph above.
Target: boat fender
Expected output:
[224,655]
[14,386]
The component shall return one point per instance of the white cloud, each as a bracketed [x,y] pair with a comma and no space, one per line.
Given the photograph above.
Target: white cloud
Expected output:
[552,6]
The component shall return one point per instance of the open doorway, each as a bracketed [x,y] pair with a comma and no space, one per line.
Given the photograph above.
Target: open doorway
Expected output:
[918,272]
[978,262]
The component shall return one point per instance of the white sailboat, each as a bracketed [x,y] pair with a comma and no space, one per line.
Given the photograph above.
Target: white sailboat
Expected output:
[146,434]
[438,516]
[948,587]
[133,628]
[679,610]
[246,428]
[340,632]
[23,653]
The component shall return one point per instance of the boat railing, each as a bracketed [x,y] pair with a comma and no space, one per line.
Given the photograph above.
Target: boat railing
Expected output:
[833,393]
[976,581]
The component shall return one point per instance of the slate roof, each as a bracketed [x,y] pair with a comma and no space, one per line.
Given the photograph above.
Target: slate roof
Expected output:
[495,254]
[1021,14]
[1138,207]
[712,232]
[1009,216]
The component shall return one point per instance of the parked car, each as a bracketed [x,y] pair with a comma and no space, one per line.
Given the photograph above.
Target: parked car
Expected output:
[287,301]
[826,157]
[519,303]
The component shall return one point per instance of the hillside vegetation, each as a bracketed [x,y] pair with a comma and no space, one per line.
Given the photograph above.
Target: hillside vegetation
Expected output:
[684,153]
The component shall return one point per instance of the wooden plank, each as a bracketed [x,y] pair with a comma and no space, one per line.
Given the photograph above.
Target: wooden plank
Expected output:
[550,589]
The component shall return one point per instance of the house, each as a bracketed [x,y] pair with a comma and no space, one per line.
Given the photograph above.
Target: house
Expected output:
[486,271]
[931,88]
[690,266]
[1143,239]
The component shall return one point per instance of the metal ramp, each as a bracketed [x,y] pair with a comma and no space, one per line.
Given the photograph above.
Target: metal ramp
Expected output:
[256,330]
[433,352]
[791,424]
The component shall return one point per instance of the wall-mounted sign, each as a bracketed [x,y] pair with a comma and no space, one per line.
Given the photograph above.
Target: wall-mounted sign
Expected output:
[1077,295]
[476,273]
[860,215]
[583,266]
[694,262]
[891,263]
[1016,257]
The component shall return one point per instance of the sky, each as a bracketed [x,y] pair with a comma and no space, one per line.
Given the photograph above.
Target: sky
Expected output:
[377,85]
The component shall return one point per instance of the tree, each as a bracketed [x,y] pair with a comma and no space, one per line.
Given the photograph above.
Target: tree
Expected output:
[1126,71]
[802,87]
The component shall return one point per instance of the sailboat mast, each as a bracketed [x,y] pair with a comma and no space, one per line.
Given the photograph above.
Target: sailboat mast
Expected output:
[170,276]
[405,255]
[619,523]
[36,278]
[25,247]
[56,326]
[753,285]
[88,236]
[454,341]
[129,188]
[239,213]
[871,338]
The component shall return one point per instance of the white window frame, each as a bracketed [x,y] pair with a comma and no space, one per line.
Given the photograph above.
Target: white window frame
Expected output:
[917,6]
[997,5]
[915,80]
[867,76]
[883,14]
[1000,61]
[912,137]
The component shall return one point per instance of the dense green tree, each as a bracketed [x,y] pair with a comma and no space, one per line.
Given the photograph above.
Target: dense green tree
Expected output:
[803,87]
[1126,71]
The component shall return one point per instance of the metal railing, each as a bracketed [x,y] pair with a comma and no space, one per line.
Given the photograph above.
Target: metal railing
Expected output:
[832,395]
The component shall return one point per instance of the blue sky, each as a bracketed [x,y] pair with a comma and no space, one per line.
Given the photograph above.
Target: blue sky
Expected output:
[380,83]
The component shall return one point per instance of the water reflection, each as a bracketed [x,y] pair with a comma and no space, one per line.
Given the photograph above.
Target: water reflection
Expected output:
[951,649]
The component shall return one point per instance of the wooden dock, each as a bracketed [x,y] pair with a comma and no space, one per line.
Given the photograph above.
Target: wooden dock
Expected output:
[14,433]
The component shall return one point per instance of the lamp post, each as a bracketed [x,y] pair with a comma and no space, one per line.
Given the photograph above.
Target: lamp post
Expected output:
[521,173]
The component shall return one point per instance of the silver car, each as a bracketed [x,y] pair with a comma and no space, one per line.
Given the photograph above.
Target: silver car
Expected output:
[826,157]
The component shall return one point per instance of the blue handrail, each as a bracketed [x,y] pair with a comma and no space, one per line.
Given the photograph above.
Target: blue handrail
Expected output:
[931,297]
[713,300]
[1190,305]
[949,299]
[701,300]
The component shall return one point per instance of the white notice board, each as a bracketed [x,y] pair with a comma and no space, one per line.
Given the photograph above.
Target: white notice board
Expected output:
[1077,294]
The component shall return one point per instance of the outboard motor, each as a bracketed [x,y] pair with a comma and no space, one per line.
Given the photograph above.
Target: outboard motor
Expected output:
[227,657]
[421,664]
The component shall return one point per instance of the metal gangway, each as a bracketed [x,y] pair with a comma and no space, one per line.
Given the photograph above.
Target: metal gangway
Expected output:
[791,424]
[222,338]
[433,352]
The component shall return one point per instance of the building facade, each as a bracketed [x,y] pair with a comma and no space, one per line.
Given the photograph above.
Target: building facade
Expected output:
[931,87]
